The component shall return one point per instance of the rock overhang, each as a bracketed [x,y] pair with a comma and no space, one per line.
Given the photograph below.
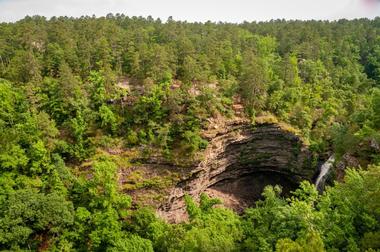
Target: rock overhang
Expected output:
[239,162]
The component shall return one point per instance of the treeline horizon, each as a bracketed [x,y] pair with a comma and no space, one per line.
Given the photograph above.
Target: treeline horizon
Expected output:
[170,18]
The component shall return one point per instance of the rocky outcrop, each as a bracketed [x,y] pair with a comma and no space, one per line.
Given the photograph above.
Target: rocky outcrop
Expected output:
[238,163]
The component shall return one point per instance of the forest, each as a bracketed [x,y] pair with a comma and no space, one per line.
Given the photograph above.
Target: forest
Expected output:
[73,88]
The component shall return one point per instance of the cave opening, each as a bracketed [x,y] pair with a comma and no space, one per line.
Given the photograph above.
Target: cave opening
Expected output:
[242,192]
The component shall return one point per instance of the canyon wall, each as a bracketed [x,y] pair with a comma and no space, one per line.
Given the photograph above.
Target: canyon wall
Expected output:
[240,160]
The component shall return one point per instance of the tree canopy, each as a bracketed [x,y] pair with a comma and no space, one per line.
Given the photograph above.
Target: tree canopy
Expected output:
[72,87]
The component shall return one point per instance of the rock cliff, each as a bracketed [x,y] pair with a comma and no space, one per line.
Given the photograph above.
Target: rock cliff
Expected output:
[238,163]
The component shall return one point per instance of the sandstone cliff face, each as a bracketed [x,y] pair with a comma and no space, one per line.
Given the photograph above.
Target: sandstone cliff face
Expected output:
[239,162]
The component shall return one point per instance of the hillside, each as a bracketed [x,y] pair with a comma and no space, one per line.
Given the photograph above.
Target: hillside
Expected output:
[132,134]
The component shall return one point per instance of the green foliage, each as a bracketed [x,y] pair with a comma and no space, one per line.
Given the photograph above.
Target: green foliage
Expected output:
[101,208]
[79,148]
[210,229]
[354,208]
[376,108]
[26,138]
[341,219]
[24,67]
[26,213]
[66,83]
[312,242]
[98,90]
[107,118]
[253,82]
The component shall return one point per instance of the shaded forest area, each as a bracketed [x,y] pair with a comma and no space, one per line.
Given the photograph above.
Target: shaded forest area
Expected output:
[71,86]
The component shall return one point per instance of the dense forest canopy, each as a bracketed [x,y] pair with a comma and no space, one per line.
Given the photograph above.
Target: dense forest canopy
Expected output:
[72,86]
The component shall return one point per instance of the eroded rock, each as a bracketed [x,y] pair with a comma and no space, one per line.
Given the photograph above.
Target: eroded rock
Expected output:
[238,163]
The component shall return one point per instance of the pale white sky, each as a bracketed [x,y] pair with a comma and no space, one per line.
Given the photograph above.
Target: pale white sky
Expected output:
[195,10]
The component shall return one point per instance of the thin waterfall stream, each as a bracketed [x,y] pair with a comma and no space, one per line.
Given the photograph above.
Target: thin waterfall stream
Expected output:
[325,168]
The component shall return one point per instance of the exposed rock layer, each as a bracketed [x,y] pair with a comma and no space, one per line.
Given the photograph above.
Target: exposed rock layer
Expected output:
[238,163]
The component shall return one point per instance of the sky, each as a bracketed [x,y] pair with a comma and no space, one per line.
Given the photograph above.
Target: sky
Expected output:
[195,10]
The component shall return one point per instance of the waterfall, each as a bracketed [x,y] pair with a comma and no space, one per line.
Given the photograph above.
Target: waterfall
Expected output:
[325,168]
